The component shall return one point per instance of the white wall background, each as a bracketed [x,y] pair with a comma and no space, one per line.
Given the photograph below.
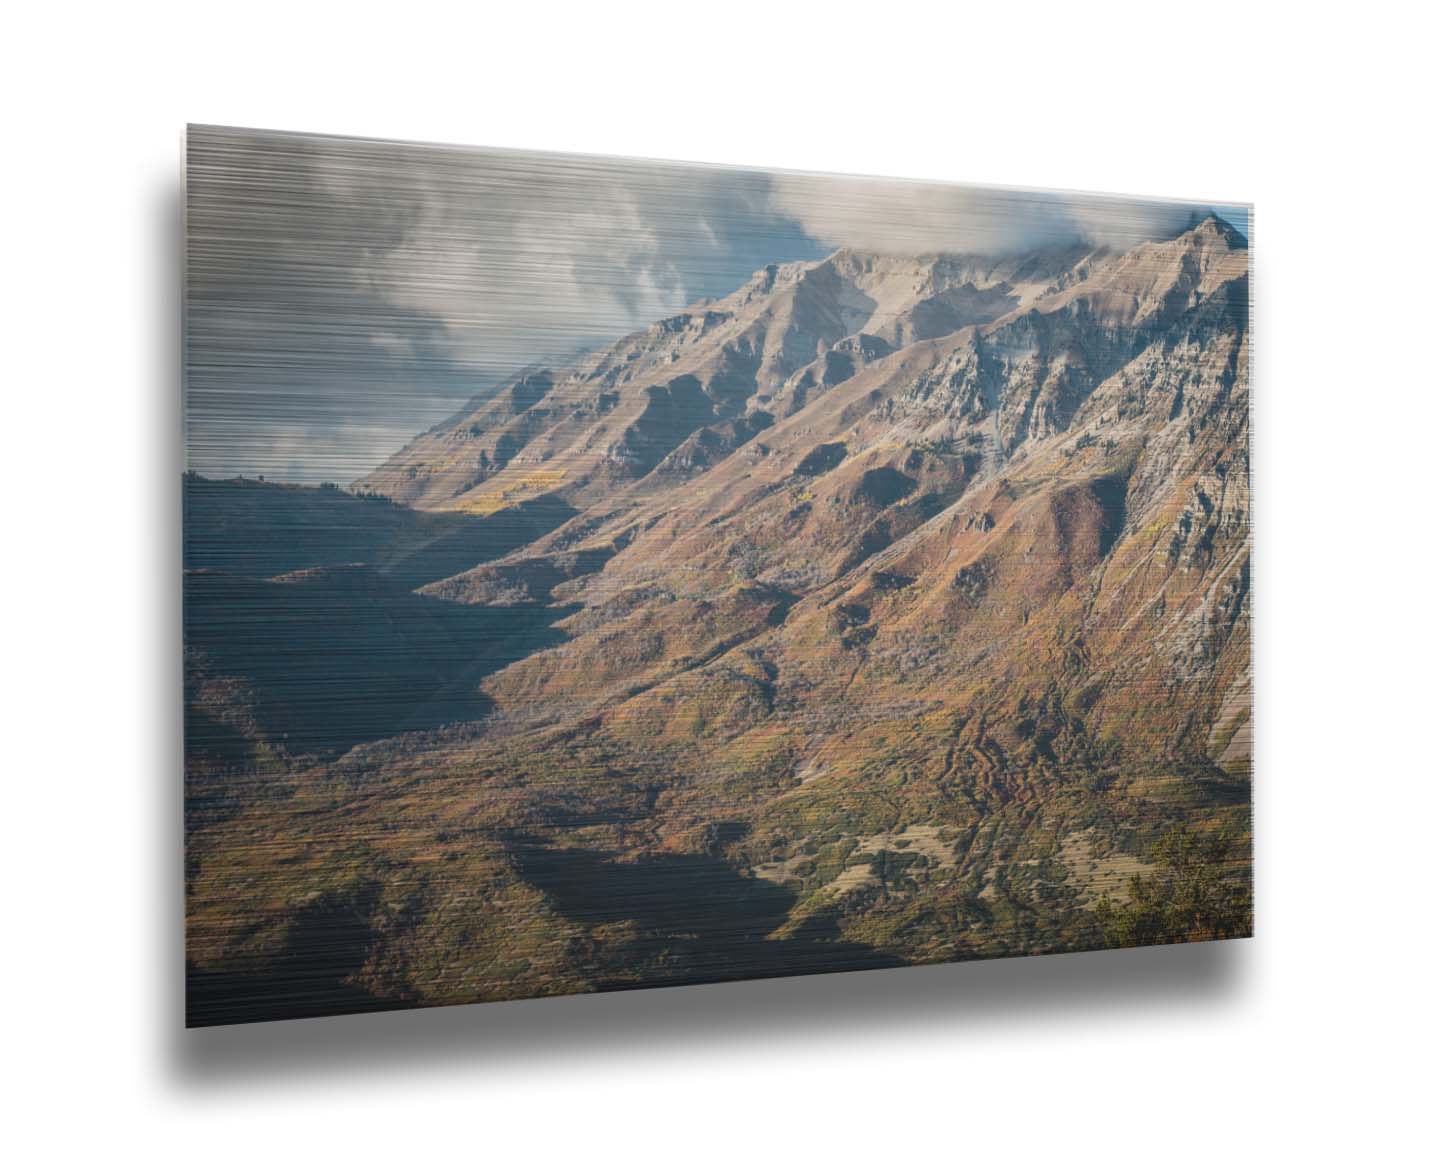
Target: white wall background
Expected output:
[1320,1031]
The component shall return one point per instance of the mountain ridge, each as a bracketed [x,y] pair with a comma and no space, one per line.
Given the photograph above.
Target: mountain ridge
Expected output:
[907,599]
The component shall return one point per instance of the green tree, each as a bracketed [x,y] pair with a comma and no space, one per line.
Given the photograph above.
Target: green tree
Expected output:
[1193,894]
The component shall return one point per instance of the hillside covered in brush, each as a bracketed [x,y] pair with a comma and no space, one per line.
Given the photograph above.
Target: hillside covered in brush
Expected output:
[888,610]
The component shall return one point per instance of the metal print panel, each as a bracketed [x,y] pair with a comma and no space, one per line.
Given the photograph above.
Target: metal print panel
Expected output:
[606,574]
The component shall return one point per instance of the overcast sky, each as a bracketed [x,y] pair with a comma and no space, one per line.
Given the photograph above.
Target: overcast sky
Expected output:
[343,295]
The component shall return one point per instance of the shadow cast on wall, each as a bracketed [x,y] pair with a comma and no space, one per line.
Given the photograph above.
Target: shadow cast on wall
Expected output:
[857,1005]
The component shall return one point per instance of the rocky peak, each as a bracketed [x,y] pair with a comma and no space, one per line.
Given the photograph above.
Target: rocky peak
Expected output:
[1216,229]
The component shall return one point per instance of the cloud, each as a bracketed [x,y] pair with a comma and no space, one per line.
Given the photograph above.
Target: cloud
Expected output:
[906,218]
[528,256]
[340,284]
[344,295]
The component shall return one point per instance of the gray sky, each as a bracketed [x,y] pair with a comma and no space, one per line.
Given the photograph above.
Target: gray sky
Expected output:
[343,295]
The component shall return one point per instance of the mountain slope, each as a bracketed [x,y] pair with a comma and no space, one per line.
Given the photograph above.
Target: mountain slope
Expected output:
[793,330]
[903,603]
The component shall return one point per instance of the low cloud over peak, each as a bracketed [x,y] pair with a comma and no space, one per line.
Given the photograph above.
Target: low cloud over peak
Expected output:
[898,217]
[344,295]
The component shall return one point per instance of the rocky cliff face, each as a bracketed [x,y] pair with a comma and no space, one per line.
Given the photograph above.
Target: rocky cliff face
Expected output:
[910,594]
[791,333]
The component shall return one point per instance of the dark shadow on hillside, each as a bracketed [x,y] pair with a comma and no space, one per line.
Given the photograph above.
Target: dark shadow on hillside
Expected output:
[698,919]
[466,541]
[332,658]
[260,530]
[309,975]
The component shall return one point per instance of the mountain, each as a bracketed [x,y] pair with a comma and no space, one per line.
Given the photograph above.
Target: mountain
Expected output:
[888,610]
[727,368]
